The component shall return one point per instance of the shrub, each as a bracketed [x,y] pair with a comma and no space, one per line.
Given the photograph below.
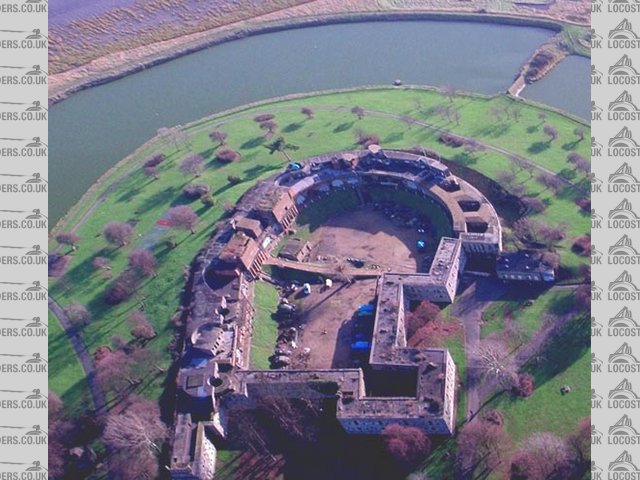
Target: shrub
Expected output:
[227,155]
[121,289]
[582,246]
[451,140]
[525,386]
[155,160]
[193,191]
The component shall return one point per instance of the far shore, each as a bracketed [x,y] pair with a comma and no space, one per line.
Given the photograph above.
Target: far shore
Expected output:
[120,64]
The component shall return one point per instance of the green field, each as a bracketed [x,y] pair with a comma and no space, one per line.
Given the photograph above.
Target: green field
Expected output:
[528,315]
[126,194]
[66,376]
[265,328]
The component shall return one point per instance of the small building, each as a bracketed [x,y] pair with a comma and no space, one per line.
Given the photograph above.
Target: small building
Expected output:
[524,266]
[194,455]
[243,251]
[249,226]
[277,207]
[295,249]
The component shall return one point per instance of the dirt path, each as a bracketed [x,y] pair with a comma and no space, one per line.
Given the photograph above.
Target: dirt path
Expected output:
[81,352]
[328,269]
[469,307]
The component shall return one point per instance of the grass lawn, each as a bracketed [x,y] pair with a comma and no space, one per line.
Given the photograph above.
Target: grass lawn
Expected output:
[437,216]
[528,317]
[128,195]
[547,410]
[265,328]
[69,380]
[319,212]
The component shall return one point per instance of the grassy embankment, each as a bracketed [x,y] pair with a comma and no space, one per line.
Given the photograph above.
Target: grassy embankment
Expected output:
[141,200]
[265,330]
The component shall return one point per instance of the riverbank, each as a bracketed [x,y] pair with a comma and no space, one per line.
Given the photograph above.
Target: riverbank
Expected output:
[118,65]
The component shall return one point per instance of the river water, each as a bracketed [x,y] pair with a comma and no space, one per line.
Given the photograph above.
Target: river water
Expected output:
[93,129]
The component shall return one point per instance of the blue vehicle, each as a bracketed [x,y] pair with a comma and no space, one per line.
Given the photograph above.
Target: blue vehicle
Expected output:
[421,245]
[366,309]
[361,346]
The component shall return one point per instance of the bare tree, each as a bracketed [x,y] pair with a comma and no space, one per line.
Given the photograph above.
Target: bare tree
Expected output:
[527,230]
[584,166]
[358,112]
[550,454]
[551,132]
[101,263]
[579,444]
[263,117]
[573,157]
[143,263]
[144,466]
[480,448]
[175,135]
[550,181]
[551,235]
[124,286]
[118,233]
[450,92]
[579,132]
[58,438]
[137,432]
[183,217]
[582,295]
[141,327]
[408,445]
[526,165]
[506,179]
[78,314]
[525,385]
[68,238]
[534,204]
[307,112]
[116,372]
[270,126]
[227,155]
[150,166]
[152,172]
[218,136]
[492,357]
[516,111]
[192,165]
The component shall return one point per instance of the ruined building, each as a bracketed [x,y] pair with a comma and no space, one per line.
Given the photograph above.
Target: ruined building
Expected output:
[214,380]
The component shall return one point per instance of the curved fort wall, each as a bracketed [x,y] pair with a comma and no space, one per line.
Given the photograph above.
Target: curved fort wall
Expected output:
[214,378]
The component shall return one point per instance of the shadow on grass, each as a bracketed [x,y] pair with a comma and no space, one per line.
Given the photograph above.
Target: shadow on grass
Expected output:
[394,137]
[292,127]
[343,127]
[158,198]
[570,145]
[494,131]
[566,346]
[253,143]
[538,147]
